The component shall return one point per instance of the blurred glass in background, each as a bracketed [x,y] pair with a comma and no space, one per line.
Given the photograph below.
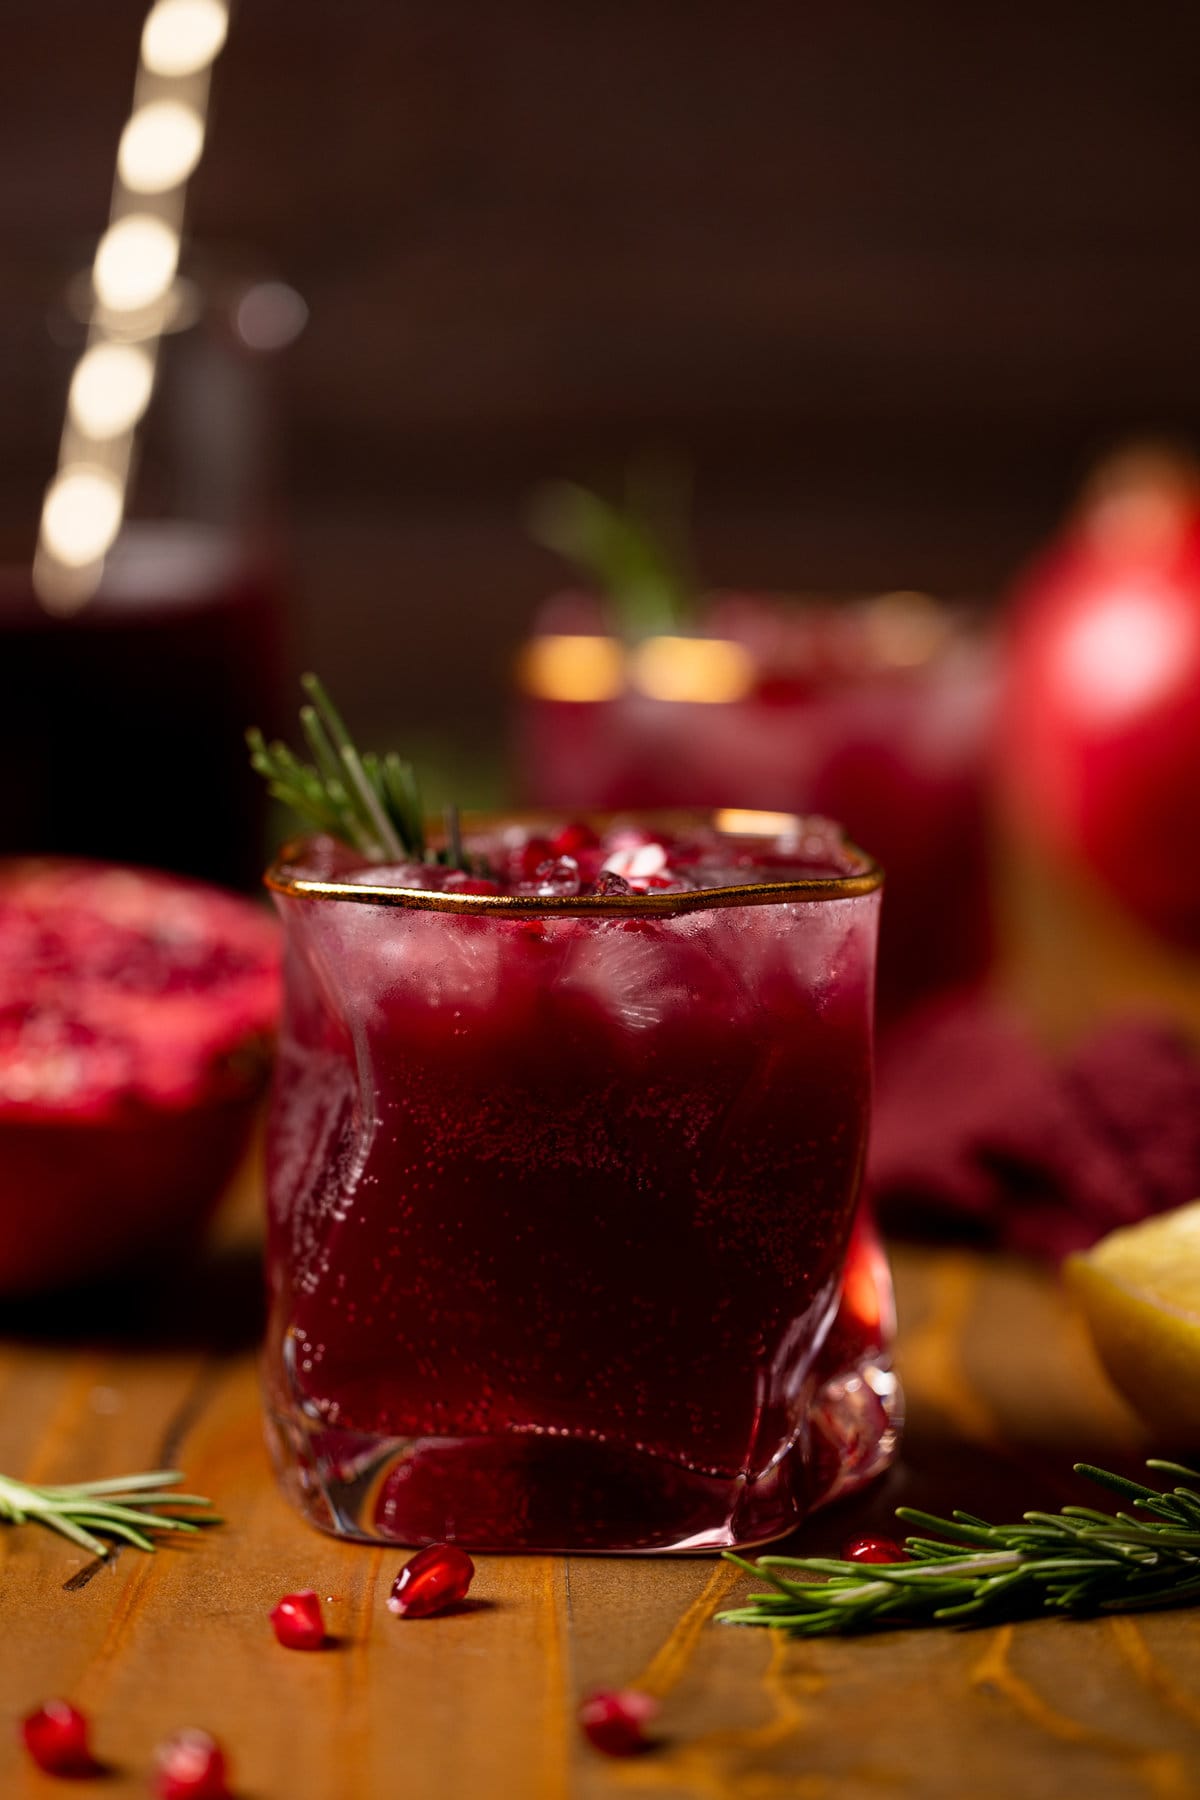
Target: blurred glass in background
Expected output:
[122,711]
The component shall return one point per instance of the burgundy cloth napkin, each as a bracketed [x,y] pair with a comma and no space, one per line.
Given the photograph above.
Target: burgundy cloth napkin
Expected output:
[980,1134]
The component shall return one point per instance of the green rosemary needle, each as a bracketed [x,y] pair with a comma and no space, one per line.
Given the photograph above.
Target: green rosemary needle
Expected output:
[964,1571]
[372,803]
[631,553]
[125,1509]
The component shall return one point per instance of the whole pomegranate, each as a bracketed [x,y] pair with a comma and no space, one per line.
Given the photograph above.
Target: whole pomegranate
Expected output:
[136,1012]
[1101,728]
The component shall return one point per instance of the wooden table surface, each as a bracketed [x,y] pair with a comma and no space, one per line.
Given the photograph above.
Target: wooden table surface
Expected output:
[1003,1395]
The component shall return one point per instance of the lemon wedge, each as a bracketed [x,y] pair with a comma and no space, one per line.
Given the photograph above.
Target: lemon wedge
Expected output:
[1139,1290]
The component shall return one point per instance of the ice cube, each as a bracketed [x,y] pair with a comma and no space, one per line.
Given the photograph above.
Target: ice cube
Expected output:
[429,960]
[608,883]
[645,974]
[555,879]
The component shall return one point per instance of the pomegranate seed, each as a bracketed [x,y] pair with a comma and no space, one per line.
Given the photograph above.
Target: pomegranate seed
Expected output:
[613,1721]
[430,1581]
[535,850]
[191,1765]
[298,1622]
[874,1550]
[574,837]
[459,882]
[56,1736]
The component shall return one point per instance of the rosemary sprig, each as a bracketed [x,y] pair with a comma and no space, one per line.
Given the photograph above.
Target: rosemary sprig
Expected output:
[633,553]
[372,803]
[126,1509]
[1077,1562]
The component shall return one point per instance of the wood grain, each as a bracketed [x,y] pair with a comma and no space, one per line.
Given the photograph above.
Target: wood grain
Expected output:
[1003,1395]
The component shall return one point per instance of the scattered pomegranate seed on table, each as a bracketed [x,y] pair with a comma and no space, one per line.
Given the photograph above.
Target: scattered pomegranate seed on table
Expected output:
[614,1721]
[874,1550]
[298,1622]
[434,1579]
[56,1735]
[191,1765]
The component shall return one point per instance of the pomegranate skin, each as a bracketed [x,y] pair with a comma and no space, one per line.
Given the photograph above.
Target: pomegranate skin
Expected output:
[136,1017]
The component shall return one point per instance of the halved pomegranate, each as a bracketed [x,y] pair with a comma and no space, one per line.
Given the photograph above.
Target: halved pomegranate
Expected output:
[136,1013]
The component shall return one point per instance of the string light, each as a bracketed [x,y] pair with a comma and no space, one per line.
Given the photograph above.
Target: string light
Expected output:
[133,278]
[82,515]
[135,262]
[181,37]
[570,667]
[160,146]
[740,821]
[707,671]
[110,389]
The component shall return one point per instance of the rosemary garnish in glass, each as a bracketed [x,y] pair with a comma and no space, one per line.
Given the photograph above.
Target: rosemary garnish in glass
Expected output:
[633,554]
[126,1509]
[372,803]
[1077,1562]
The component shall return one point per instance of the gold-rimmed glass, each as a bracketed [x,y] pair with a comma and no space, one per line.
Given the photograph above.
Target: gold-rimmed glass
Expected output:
[562,1206]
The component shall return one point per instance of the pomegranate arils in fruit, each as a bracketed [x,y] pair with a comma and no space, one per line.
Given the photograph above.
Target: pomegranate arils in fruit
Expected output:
[136,1011]
[614,1721]
[432,1580]
[875,1550]
[298,1622]
[191,1765]
[56,1736]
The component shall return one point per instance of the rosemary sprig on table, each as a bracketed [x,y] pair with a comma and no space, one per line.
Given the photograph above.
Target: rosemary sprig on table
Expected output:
[126,1509]
[372,803]
[633,553]
[1076,1562]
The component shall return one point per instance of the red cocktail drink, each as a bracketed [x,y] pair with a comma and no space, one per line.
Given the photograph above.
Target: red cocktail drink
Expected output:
[564,1164]
[878,714]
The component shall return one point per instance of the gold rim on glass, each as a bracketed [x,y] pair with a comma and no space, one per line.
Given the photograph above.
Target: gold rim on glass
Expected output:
[865,877]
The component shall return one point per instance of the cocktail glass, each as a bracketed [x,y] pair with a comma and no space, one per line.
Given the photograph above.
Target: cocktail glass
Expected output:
[564,1249]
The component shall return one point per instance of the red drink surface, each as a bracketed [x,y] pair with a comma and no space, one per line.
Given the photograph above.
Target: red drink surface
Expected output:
[560,1201]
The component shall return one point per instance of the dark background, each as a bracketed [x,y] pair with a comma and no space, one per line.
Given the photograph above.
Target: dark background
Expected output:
[887,276]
